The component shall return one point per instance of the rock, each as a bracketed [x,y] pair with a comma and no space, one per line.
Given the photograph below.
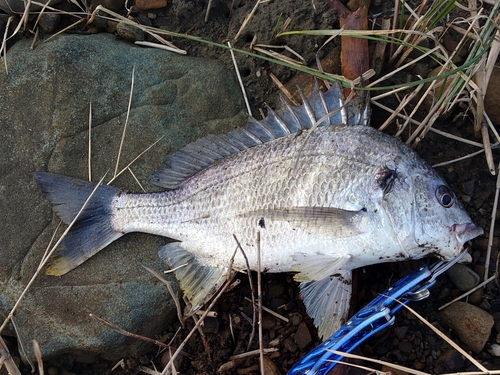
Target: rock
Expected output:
[472,324]
[44,110]
[150,4]
[49,22]
[463,277]
[451,360]
[129,32]
[17,6]
[302,336]
[114,5]
[270,367]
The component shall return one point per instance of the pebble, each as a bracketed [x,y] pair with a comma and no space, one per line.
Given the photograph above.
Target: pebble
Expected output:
[392,371]
[451,360]
[268,322]
[114,5]
[400,332]
[494,349]
[302,336]
[150,4]
[463,277]
[476,297]
[49,22]
[129,32]
[472,324]
[295,318]
[270,367]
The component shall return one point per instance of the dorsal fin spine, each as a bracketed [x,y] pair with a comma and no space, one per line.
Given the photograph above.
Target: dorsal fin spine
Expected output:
[285,121]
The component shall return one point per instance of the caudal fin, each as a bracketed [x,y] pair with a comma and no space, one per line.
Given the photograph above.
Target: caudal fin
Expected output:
[92,231]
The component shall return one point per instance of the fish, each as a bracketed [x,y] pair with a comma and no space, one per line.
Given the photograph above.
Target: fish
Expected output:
[325,193]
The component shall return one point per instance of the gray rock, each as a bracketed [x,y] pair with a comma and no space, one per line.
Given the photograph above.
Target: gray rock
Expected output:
[472,324]
[44,110]
[463,277]
[17,6]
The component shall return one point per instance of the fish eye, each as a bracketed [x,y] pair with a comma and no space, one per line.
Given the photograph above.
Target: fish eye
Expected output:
[445,196]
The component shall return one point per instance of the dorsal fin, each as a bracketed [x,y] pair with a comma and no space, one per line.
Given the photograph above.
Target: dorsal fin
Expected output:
[200,154]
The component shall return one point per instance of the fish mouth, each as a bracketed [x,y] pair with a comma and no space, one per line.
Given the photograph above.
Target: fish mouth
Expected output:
[466,232]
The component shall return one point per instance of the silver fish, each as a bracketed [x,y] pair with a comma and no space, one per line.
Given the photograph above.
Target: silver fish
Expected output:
[325,202]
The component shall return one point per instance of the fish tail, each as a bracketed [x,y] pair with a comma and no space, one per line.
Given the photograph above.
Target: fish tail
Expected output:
[92,230]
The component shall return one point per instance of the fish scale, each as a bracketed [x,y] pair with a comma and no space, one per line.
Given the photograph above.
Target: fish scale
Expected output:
[324,202]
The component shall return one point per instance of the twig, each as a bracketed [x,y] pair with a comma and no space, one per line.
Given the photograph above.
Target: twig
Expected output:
[161,46]
[240,81]
[200,330]
[252,292]
[279,316]
[259,301]
[90,142]
[492,225]
[171,291]
[248,16]
[6,358]
[135,336]
[38,355]
[208,10]
[126,122]
[283,89]
[252,353]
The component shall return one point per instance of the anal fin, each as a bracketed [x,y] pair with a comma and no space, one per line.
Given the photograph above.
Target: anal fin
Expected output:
[327,301]
[199,282]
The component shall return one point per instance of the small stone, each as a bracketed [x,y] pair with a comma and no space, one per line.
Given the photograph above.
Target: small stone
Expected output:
[405,347]
[295,318]
[471,323]
[53,370]
[17,6]
[290,345]
[476,297]
[49,22]
[211,324]
[303,336]
[494,349]
[114,5]
[129,32]
[421,70]
[150,4]
[400,332]
[451,360]
[268,322]
[393,371]
[463,277]
[270,367]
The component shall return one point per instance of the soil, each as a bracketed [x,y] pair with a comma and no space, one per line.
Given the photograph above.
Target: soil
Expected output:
[409,342]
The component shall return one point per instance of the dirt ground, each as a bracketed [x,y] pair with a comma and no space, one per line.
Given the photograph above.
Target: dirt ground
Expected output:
[409,342]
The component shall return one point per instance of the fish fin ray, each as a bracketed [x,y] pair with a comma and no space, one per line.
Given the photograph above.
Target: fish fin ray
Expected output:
[344,221]
[198,282]
[92,231]
[327,301]
[200,154]
[313,267]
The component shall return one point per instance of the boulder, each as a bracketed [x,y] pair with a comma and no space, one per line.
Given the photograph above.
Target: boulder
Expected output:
[44,115]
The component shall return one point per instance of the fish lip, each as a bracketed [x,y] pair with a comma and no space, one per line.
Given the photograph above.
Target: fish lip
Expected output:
[466,232]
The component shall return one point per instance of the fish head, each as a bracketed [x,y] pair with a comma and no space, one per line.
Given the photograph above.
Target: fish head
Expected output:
[425,213]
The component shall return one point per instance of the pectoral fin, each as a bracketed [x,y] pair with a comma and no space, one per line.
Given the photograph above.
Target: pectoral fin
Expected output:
[327,301]
[198,282]
[343,223]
